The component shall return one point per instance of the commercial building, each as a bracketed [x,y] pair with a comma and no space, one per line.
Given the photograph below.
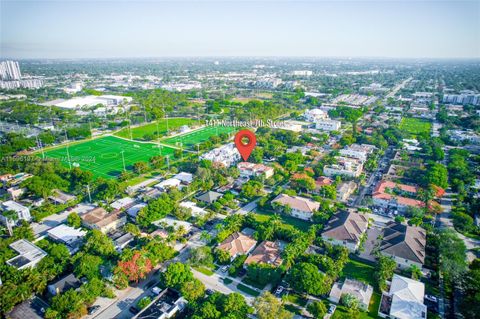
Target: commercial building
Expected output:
[358,151]
[345,166]
[466,97]
[90,101]
[346,229]
[10,70]
[253,170]
[388,194]
[99,218]
[328,125]
[404,300]
[405,244]
[300,207]
[29,255]
[225,155]
[315,115]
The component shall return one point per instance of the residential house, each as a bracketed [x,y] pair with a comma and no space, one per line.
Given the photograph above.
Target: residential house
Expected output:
[69,236]
[346,229]
[166,305]
[123,203]
[62,285]
[328,125]
[61,198]
[268,252]
[361,291]
[301,207]
[404,300]
[22,212]
[345,190]
[358,151]
[238,244]
[388,194]
[345,166]
[404,243]
[209,197]
[99,218]
[253,170]
[29,255]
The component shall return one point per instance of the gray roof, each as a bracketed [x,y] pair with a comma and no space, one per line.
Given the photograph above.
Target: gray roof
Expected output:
[347,226]
[209,197]
[404,241]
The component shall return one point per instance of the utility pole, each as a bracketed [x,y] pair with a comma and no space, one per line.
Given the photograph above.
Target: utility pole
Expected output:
[89,195]
[123,161]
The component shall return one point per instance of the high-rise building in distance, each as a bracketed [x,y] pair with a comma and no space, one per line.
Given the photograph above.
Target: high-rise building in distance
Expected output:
[10,70]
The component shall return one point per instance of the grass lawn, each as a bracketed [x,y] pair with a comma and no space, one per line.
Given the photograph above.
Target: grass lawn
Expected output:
[372,309]
[139,132]
[227,281]
[190,139]
[357,270]
[248,290]
[296,299]
[103,156]
[415,126]
[293,309]
[249,282]
[204,270]
[262,215]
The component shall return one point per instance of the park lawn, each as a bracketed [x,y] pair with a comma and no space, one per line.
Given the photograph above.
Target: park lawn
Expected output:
[139,132]
[414,126]
[190,139]
[261,215]
[248,290]
[103,156]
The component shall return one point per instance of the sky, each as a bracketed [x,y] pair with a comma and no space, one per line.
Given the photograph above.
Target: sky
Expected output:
[122,28]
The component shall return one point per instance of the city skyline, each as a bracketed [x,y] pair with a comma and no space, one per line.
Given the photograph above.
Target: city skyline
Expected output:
[390,29]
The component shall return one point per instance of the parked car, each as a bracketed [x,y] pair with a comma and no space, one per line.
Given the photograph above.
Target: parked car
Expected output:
[93,309]
[209,291]
[431,298]
[224,269]
[331,309]
[133,310]
[156,290]
[279,291]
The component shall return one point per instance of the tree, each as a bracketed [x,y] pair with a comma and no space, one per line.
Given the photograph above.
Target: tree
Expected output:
[251,189]
[157,161]
[263,273]
[384,271]
[267,307]
[452,251]
[176,274]
[97,243]
[132,229]
[86,265]
[192,290]
[74,220]
[350,301]
[145,301]
[305,278]
[67,305]
[201,256]
[140,167]
[317,309]
[222,256]
[134,266]
[415,272]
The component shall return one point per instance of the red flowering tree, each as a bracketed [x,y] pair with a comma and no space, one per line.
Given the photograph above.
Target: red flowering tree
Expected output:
[134,268]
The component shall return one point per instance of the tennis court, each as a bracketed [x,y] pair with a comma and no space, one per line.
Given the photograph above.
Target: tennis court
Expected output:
[103,156]
[190,139]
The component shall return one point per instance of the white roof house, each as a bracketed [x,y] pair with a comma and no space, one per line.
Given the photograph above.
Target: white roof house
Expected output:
[133,211]
[168,183]
[184,177]
[29,254]
[196,211]
[66,234]
[404,300]
[122,203]
[173,222]
[23,213]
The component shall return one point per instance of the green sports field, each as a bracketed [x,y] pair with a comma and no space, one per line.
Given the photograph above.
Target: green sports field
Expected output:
[415,126]
[138,133]
[103,156]
[198,136]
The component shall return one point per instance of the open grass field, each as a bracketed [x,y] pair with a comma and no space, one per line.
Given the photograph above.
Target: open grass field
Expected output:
[103,156]
[190,139]
[139,132]
[414,126]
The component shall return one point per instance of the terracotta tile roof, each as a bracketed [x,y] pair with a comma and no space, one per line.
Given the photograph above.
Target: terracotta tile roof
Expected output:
[100,217]
[322,181]
[267,252]
[237,244]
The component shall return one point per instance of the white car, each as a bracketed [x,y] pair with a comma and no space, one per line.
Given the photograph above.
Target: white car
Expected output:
[431,298]
[224,269]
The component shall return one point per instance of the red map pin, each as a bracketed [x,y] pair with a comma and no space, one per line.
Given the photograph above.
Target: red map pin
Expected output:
[245,142]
